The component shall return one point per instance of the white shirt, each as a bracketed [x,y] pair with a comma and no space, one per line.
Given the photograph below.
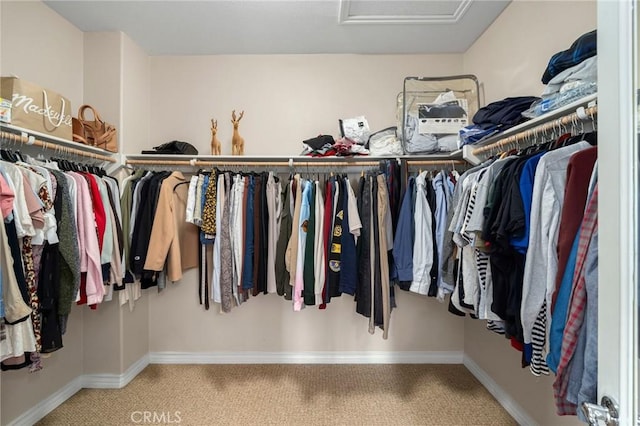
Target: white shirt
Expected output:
[318,244]
[191,199]
[22,219]
[423,242]
[355,225]
[220,203]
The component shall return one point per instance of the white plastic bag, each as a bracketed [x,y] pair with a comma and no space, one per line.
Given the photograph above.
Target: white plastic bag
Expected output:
[356,129]
[385,143]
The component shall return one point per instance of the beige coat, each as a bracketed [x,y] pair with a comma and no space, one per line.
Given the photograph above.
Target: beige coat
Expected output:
[291,255]
[173,240]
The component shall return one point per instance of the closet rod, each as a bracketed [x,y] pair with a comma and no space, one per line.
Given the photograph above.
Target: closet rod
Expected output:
[13,137]
[160,163]
[199,163]
[437,162]
[563,121]
[287,164]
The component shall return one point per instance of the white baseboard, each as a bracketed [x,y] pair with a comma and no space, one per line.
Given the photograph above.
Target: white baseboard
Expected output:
[103,381]
[115,381]
[507,402]
[49,404]
[366,357]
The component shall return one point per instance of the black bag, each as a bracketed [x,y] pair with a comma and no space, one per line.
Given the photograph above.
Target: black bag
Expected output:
[174,148]
[319,142]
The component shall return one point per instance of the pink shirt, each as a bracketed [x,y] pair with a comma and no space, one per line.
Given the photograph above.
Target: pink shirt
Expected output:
[88,242]
[6,198]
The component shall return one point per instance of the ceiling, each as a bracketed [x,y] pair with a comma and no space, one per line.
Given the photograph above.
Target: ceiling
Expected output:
[180,27]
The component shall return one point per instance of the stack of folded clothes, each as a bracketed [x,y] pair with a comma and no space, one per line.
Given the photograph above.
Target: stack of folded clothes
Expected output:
[496,117]
[326,146]
[571,74]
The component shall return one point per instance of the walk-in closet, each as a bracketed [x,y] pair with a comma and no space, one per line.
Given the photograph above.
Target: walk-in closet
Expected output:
[319,212]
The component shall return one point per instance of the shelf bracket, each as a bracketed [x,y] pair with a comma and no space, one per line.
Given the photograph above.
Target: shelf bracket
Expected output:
[467,155]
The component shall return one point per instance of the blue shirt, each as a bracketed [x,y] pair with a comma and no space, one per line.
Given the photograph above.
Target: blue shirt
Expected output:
[439,183]
[348,257]
[559,315]
[403,241]
[521,244]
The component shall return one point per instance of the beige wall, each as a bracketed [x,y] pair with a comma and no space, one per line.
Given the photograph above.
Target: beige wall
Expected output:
[101,340]
[494,354]
[286,98]
[135,129]
[135,95]
[134,332]
[267,323]
[103,74]
[509,60]
[512,54]
[30,51]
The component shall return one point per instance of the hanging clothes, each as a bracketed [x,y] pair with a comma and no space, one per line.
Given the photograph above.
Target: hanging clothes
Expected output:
[226,251]
[274,208]
[286,226]
[221,194]
[522,237]
[548,195]
[309,275]
[60,241]
[309,240]
[423,241]
[351,225]
[577,308]
[173,240]
[319,269]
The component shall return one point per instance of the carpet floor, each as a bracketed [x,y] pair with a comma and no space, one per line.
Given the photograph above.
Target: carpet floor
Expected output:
[199,395]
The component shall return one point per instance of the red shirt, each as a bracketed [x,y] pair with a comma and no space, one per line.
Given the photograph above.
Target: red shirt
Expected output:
[98,207]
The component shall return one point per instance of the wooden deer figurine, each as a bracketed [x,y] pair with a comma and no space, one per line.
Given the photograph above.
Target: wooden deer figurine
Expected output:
[216,146]
[237,141]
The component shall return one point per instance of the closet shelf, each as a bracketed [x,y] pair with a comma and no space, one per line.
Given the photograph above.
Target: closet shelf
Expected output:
[579,110]
[13,134]
[65,143]
[283,161]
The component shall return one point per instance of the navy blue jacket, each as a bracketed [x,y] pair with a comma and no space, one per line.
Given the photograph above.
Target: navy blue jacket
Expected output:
[403,240]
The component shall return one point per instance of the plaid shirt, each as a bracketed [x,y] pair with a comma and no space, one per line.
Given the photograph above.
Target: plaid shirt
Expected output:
[575,315]
[581,49]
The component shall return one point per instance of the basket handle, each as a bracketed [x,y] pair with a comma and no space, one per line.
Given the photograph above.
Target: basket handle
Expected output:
[46,105]
[83,108]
